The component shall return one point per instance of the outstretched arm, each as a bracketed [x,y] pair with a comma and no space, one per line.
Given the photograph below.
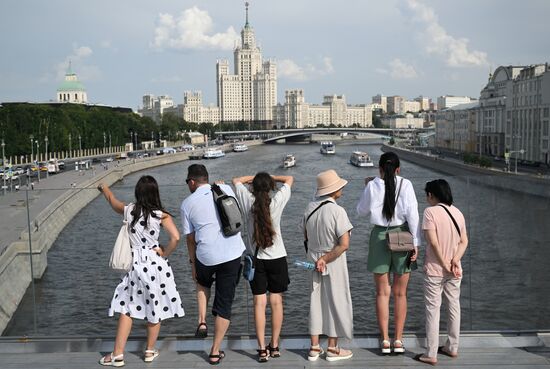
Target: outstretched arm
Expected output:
[289,180]
[117,205]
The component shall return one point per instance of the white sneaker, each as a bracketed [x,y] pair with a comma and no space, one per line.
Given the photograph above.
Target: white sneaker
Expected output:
[314,353]
[337,353]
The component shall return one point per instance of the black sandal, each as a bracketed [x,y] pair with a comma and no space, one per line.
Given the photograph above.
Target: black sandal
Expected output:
[219,356]
[263,356]
[273,351]
[201,333]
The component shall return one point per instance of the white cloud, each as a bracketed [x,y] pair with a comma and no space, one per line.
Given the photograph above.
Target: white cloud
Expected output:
[288,68]
[400,70]
[191,30]
[437,41]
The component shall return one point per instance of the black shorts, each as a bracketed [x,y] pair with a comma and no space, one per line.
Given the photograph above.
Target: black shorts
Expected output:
[270,275]
[226,276]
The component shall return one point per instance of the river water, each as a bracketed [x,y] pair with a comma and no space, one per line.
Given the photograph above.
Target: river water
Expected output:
[505,283]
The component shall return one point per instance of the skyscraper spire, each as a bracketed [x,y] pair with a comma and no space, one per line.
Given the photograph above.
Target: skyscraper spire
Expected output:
[246,8]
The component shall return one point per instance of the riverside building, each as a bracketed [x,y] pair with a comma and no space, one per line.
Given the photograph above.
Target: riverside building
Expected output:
[251,92]
[512,115]
[296,113]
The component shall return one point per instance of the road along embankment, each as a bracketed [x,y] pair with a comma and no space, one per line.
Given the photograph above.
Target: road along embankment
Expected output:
[522,183]
[15,275]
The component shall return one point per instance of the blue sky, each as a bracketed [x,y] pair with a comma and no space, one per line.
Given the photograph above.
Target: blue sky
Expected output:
[124,49]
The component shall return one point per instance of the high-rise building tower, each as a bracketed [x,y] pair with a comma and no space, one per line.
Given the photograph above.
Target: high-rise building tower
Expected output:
[250,93]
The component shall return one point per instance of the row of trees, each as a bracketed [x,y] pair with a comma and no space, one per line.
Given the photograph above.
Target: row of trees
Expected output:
[74,126]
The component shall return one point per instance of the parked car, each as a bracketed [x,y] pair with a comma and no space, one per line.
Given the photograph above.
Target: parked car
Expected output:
[109,159]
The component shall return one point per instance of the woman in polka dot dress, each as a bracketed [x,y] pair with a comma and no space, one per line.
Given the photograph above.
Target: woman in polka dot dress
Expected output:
[148,290]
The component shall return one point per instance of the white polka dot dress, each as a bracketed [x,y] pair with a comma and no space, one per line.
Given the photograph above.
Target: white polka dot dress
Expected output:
[148,290]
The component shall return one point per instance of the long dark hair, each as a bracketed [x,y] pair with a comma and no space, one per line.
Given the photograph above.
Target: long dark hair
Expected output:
[389,162]
[262,185]
[147,200]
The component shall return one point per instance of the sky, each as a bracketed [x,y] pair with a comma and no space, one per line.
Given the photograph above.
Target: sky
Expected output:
[124,49]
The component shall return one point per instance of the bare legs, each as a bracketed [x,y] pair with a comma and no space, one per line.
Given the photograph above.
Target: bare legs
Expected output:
[383,292]
[123,331]
[260,304]
[220,328]
[203,295]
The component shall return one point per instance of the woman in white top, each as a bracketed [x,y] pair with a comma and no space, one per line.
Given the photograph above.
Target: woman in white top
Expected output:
[264,218]
[378,201]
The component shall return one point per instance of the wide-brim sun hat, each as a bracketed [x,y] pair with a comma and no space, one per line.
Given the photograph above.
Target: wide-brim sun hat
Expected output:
[329,182]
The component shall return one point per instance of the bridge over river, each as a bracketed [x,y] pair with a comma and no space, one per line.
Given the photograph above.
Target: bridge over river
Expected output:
[294,134]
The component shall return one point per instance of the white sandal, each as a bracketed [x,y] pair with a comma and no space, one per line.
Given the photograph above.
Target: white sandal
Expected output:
[154,355]
[385,347]
[116,361]
[398,347]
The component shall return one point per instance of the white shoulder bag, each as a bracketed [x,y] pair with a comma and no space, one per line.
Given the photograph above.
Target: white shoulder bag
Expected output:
[121,257]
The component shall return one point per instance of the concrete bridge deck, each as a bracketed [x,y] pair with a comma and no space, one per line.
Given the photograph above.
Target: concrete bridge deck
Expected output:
[478,350]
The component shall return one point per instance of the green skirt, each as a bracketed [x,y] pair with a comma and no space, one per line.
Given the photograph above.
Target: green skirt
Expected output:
[380,259]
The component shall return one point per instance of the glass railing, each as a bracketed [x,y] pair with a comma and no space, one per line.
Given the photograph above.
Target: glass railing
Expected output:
[504,286]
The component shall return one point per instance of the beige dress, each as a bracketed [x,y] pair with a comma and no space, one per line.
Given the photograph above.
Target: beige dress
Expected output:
[330,310]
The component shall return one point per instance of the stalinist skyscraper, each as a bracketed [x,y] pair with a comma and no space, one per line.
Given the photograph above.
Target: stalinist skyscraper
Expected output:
[250,93]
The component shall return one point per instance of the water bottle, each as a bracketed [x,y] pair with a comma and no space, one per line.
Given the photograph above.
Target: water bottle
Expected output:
[305,264]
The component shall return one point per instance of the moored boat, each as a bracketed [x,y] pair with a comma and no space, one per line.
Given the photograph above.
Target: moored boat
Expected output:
[289,161]
[328,148]
[213,153]
[360,159]
[240,147]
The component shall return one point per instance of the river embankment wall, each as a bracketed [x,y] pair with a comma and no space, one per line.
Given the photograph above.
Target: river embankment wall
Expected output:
[15,275]
[521,183]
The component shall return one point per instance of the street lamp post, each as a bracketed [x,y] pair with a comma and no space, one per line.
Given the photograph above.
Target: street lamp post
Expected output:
[70,145]
[80,144]
[32,149]
[47,158]
[521,151]
[4,165]
[38,158]
[104,141]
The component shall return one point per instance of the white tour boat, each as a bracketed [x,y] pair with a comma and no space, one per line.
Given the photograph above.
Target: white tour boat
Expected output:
[213,153]
[328,148]
[240,147]
[360,159]
[289,161]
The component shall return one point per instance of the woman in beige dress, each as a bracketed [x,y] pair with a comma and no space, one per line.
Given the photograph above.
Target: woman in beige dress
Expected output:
[327,230]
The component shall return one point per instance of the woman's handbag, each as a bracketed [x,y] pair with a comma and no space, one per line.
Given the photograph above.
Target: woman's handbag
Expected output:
[121,257]
[399,241]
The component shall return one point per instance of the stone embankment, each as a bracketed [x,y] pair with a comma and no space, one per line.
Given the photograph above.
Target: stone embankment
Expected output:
[15,261]
[522,183]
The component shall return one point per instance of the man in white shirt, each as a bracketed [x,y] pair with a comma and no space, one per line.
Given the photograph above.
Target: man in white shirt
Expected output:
[213,257]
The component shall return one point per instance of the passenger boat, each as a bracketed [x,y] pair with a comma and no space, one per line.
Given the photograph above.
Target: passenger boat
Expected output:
[213,153]
[328,148]
[289,161]
[240,147]
[360,159]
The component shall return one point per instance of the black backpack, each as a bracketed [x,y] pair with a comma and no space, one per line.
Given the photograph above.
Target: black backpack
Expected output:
[229,211]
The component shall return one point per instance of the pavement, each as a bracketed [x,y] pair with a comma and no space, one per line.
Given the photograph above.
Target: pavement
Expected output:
[13,205]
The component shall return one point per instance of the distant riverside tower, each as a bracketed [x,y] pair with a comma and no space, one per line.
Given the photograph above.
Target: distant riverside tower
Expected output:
[71,89]
[250,93]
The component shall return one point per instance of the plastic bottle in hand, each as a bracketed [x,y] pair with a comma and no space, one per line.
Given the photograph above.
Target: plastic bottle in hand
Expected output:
[305,264]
